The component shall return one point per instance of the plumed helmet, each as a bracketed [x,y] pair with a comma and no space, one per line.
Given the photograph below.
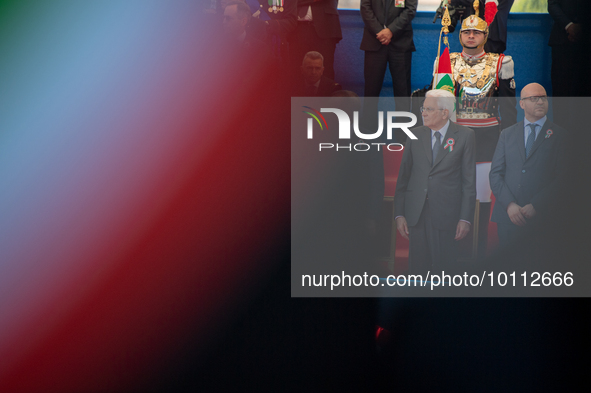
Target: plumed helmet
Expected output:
[473,22]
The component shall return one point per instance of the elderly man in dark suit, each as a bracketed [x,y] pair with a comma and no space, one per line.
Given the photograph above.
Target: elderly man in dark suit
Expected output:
[436,188]
[528,166]
[388,40]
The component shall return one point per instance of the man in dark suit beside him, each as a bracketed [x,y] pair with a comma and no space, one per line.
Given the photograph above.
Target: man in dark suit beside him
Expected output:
[388,40]
[570,55]
[528,167]
[436,188]
[312,82]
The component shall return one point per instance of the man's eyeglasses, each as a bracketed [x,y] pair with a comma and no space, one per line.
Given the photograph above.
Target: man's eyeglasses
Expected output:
[535,99]
[430,110]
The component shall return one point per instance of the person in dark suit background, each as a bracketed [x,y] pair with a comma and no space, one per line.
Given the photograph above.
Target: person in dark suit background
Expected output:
[388,40]
[278,25]
[527,168]
[234,26]
[255,27]
[569,55]
[436,188]
[565,40]
[497,29]
[318,29]
[266,26]
[313,83]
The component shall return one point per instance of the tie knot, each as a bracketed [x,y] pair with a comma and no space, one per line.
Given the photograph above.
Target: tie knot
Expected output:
[530,139]
[438,135]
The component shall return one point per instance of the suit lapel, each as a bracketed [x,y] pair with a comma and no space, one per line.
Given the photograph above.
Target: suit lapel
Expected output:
[540,139]
[427,145]
[451,133]
[520,140]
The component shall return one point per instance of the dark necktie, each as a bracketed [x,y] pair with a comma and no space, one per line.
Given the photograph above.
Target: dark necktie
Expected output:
[530,138]
[386,6]
[311,91]
[436,146]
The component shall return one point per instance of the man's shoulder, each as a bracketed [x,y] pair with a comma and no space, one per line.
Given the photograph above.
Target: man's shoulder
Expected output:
[555,127]
[298,86]
[420,130]
[504,64]
[327,81]
[514,128]
[329,84]
[507,67]
[424,130]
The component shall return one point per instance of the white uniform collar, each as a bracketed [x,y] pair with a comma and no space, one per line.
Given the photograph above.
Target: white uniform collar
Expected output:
[468,57]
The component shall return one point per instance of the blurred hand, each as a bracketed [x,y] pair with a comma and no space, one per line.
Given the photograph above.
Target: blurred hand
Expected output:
[462,230]
[384,36]
[515,215]
[402,227]
[574,32]
[528,211]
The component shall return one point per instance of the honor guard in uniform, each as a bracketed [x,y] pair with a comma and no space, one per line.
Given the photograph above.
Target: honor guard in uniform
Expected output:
[494,12]
[485,89]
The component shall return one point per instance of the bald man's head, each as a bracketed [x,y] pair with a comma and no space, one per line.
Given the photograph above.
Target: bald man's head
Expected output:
[533,89]
[534,102]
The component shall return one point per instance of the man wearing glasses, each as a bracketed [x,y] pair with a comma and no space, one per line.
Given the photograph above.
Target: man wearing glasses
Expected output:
[485,89]
[528,164]
[435,191]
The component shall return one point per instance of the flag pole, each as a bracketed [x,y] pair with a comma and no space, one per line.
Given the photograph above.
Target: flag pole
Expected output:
[445,23]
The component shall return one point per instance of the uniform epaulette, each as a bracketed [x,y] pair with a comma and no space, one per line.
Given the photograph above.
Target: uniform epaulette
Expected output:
[507,70]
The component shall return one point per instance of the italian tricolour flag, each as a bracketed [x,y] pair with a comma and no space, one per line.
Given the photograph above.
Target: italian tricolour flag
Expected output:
[443,78]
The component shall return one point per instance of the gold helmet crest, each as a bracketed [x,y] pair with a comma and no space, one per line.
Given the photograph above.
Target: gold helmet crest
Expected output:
[473,22]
